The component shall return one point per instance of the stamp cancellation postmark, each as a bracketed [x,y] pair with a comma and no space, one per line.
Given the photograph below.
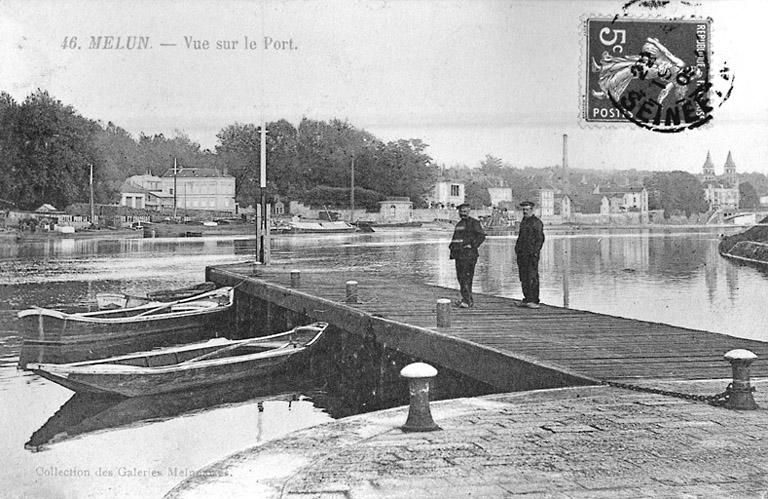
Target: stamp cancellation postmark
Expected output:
[653,73]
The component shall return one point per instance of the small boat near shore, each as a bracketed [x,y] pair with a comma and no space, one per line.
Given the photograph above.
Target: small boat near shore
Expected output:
[126,300]
[372,226]
[54,335]
[201,229]
[181,368]
[318,227]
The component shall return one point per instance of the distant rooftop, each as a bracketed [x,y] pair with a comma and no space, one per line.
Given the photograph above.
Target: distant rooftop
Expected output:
[46,208]
[195,172]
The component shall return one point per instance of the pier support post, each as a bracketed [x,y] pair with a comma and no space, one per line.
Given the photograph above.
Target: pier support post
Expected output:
[419,416]
[351,291]
[741,391]
[295,278]
[255,267]
[443,312]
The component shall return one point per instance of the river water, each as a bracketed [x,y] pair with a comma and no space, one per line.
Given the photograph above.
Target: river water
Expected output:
[80,447]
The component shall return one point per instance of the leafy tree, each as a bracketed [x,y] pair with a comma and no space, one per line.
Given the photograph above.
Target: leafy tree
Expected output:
[405,169]
[56,152]
[748,197]
[238,151]
[675,191]
[338,197]
[9,149]
[491,165]
[239,154]
[319,153]
[476,194]
[282,144]
[524,183]
[758,180]
[156,154]
[120,154]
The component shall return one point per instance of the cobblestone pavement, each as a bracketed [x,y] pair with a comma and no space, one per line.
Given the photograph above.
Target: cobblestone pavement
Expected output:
[588,442]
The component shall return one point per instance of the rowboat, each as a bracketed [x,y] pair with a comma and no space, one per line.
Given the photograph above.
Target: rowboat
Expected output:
[125,300]
[55,336]
[181,368]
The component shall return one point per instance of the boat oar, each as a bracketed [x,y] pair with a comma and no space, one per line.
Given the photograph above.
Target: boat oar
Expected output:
[172,303]
[225,349]
[157,309]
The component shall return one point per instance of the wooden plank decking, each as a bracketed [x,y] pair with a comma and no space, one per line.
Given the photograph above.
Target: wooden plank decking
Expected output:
[592,345]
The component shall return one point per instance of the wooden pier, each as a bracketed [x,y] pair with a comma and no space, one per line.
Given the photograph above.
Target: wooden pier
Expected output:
[496,342]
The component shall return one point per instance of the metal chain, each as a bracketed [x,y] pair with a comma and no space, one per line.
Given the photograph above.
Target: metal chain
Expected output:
[719,399]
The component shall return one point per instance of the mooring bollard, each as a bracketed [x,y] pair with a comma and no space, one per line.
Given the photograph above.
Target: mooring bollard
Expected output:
[351,291]
[295,278]
[741,391]
[443,312]
[419,416]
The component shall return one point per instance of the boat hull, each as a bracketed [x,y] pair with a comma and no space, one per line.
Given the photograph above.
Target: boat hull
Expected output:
[186,367]
[63,352]
[51,336]
[155,229]
[135,385]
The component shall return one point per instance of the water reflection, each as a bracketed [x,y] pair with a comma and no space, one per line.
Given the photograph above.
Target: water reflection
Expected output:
[345,374]
[85,413]
[675,277]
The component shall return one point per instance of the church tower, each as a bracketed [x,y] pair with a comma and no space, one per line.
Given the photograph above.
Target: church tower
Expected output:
[708,170]
[730,172]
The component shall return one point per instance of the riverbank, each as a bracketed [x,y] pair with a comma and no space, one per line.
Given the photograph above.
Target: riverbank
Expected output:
[247,231]
[15,235]
[575,442]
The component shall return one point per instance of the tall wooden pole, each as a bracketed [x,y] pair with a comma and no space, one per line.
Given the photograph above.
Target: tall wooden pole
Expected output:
[352,193]
[91,185]
[174,188]
[262,237]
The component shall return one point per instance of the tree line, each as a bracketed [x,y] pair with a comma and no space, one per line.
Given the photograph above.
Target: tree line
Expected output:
[47,150]
[676,192]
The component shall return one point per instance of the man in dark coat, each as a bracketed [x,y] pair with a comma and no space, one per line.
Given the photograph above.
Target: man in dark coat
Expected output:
[530,239]
[467,237]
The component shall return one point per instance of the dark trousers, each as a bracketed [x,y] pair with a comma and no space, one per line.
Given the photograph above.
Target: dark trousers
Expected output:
[528,270]
[465,273]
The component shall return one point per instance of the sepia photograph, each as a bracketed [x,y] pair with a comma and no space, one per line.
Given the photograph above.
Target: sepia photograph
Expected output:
[383,248]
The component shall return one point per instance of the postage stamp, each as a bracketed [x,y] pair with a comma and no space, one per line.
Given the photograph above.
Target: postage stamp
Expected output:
[653,73]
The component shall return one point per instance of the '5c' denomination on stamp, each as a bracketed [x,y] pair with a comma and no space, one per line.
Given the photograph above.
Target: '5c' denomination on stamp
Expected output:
[653,73]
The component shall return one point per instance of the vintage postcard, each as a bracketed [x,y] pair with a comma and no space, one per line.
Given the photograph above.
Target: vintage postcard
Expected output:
[559,206]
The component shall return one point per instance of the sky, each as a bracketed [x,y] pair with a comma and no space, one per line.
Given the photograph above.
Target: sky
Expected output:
[469,78]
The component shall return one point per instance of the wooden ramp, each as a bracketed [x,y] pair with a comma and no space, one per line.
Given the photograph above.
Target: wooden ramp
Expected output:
[595,346]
